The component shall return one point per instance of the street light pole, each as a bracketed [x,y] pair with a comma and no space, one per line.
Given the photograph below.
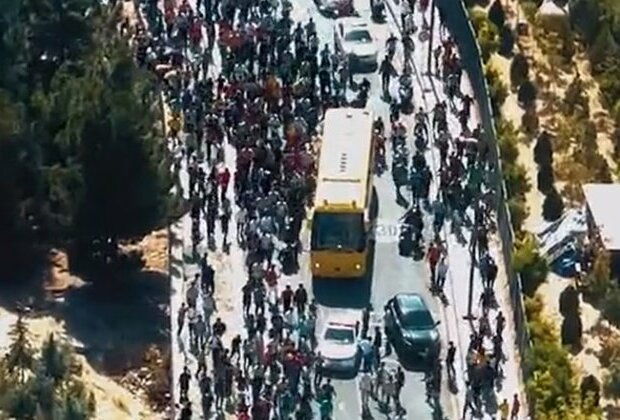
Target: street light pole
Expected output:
[430,42]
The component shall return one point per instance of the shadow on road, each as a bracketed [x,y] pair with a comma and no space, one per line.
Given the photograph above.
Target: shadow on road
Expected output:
[345,292]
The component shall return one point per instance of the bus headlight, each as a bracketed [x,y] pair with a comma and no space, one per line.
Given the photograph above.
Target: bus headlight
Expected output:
[358,267]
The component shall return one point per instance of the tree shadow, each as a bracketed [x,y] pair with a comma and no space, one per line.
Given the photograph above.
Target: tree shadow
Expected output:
[117,322]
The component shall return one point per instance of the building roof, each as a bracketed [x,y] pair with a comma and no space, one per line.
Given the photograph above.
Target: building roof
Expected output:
[345,154]
[603,202]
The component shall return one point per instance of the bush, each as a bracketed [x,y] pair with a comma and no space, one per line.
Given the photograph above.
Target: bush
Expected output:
[616,140]
[552,385]
[543,150]
[507,41]
[518,212]
[590,389]
[569,301]
[611,386]
[497,15]
[527,261]
[508,150]
[527,94]
[545,179]
[611,305]
[610,349]
[517,182]
[519,70]
[488,39]
[572,330]
[553,206]
[497,89]
[597,282]
[575,98]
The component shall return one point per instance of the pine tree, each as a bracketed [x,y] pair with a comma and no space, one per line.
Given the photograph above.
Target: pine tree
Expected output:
[55,361]
[20,357]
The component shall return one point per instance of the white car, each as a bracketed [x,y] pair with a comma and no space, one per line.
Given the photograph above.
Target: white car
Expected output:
[338,346]
[353,38]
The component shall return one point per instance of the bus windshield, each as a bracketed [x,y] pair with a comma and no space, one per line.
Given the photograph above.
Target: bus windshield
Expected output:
[336,231]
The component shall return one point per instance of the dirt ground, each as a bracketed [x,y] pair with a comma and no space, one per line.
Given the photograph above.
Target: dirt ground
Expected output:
[586,360]
[110,330]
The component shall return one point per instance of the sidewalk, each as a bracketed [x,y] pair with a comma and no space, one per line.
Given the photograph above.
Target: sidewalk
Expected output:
[457,328]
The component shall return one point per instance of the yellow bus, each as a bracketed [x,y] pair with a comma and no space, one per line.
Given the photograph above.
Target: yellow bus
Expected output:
[345,204]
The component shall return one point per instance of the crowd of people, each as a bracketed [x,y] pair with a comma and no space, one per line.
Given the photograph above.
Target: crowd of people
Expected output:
[264,103]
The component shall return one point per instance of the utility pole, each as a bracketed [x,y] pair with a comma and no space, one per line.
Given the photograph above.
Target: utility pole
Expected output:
[430,42]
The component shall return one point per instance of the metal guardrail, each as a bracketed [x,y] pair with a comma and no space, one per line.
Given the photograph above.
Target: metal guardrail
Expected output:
[457,21]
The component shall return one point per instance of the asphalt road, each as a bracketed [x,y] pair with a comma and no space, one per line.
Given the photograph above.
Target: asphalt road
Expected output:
[391,274]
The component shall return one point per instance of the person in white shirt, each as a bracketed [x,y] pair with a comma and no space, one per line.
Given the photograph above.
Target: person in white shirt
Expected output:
[209,307]
[442,272]
[365,389]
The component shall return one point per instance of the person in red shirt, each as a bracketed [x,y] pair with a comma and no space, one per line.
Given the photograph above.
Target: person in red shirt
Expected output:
[271,278]
[433,255]
[223,179]
[196,32]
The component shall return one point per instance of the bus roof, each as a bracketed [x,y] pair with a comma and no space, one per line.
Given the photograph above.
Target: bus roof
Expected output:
[344,162]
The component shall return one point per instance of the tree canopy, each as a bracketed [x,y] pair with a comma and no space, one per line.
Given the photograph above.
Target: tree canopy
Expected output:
[80,160]
[45,385]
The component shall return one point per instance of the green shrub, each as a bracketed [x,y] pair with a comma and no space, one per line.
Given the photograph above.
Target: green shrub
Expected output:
[597,282]
[478,19]
[528,262]
[498,91]
[508,150]
[569,301]
[611,385]
[553,206]
[488,39]
[519,70]
[517,207]
[516,179]
[527,94]
[572,331]
[507,41]
[545,179]
[611,305]
[615,138]
[543,150]
[551,384]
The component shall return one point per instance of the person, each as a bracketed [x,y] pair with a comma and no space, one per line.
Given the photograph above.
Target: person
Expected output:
[504,409]
[301,299]
[184,380]
[442,272]
[450,356]
[186,411]
[365,386]
[516,406]
[387,70]
[181,317]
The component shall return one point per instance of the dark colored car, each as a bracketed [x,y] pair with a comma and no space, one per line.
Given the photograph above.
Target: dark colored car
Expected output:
[410,325]
[336,8]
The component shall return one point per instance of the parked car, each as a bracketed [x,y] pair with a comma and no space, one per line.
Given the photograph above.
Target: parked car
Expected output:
[337,8]
[338,346]
[410,326]
[352,38]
